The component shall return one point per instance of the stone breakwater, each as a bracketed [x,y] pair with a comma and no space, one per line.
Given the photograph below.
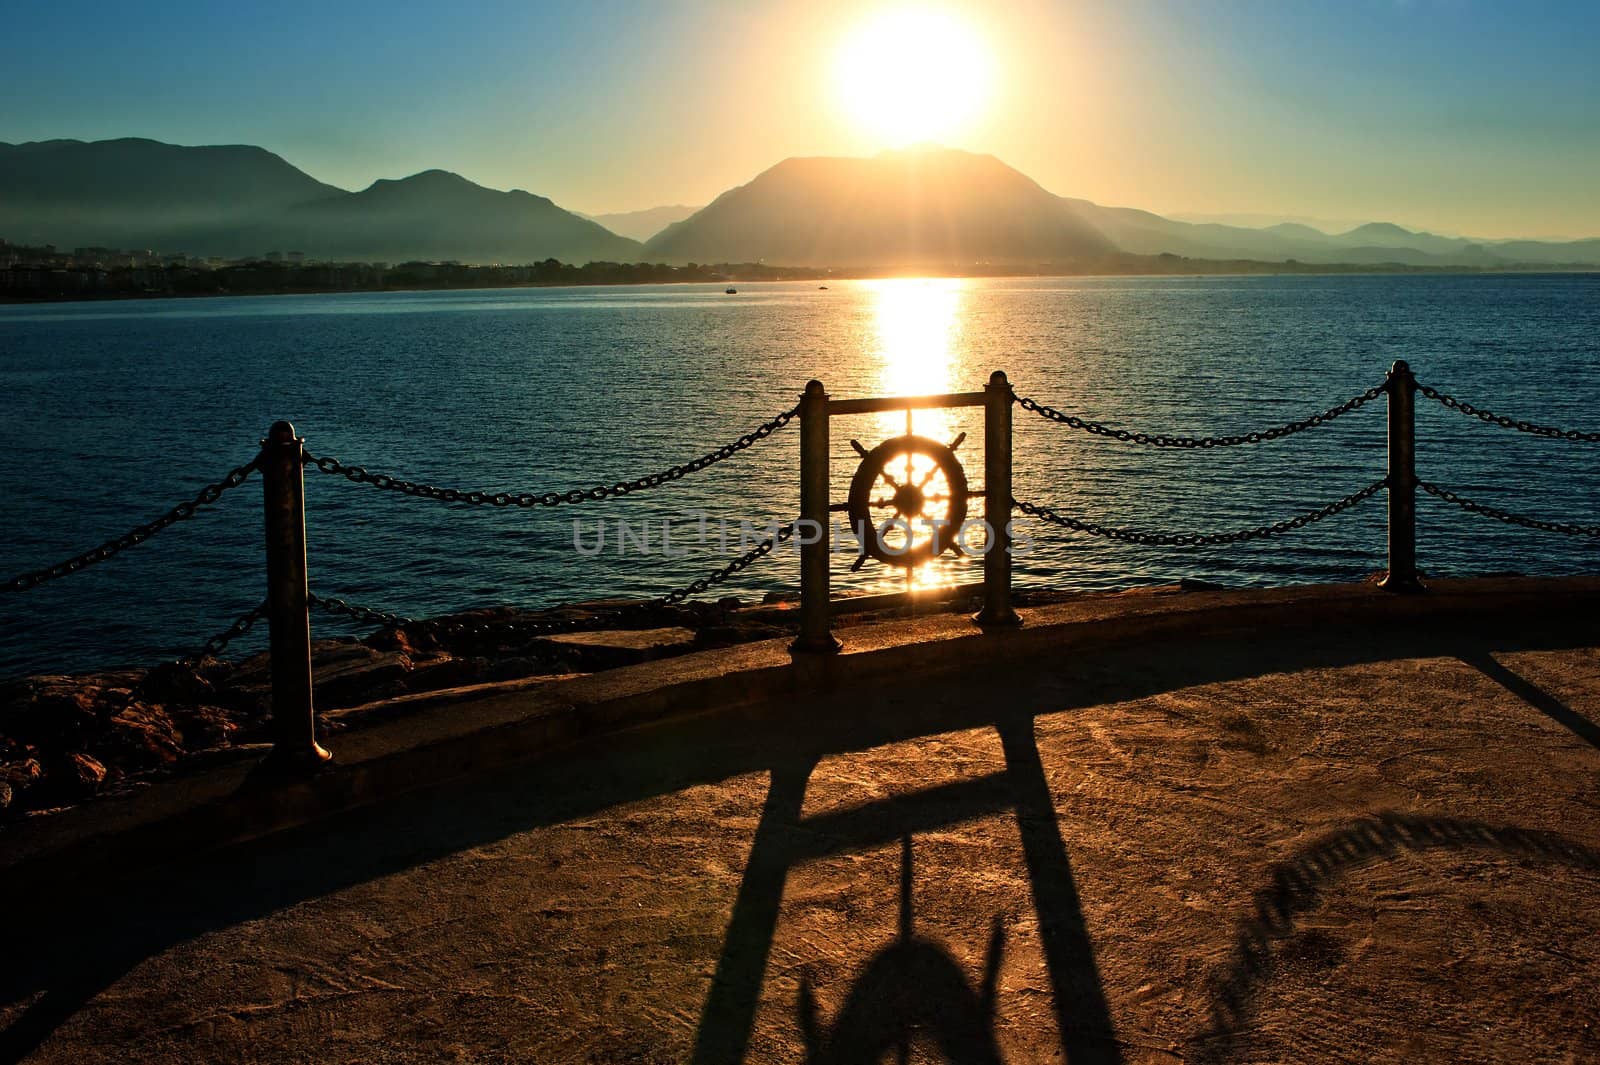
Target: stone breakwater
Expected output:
[66,738]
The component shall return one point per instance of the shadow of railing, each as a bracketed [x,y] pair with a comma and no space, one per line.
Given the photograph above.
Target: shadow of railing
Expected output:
[1298,885]
[69,950]
[912,986]
[1534,696]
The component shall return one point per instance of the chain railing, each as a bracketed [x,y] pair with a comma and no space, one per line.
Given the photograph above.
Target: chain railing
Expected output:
[1504,422]
[1162,440]
[133,537]
[705,584]
[386,619]
[283,459]
[215,645]
[1133,536]
[360,475]
[541,626]
[1472,506]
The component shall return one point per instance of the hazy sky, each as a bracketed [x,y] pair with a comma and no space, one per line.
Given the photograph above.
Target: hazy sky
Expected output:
[1464,117]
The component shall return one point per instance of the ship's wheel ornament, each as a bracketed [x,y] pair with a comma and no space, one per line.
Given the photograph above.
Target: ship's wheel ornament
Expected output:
[908,500]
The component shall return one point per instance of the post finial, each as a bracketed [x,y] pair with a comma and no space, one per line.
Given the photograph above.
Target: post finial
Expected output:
[814,387]
[281,432]
[998,378]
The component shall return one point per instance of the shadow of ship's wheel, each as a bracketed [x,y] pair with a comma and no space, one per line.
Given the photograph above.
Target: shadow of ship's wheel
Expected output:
[925,501]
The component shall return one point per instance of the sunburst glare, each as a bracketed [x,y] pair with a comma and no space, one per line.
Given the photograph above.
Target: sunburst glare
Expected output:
[910,74]
[916,339]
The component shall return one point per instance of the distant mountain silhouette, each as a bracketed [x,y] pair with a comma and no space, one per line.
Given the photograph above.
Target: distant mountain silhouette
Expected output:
[939,207]
[1295,231]
[1373,243]
[136,192]
[919,207]
[237,200]
[438,215]
[642,225]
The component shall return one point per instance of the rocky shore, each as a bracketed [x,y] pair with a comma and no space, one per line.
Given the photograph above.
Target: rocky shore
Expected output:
[66,738]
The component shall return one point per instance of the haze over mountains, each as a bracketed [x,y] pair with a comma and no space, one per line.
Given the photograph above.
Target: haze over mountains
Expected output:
[237,200]
[929,208]
[642,225]
[918,208]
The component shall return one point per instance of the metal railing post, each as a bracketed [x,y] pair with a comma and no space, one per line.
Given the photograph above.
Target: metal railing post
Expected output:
[815,622]
[1402,487]
[282,466]
[997,609]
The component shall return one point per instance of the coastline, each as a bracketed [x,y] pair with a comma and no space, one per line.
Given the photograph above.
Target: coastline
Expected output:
[1197,268]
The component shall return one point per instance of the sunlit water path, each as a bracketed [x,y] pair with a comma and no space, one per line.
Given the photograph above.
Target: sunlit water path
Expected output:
[113,411]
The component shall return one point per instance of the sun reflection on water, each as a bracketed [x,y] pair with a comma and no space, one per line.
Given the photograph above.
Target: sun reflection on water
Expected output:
[916,323]
[916,333]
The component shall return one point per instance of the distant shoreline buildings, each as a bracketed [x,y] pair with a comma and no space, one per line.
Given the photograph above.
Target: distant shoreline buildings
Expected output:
[44,273]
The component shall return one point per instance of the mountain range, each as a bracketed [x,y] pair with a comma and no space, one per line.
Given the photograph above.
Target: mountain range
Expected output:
[927,207]
[238,200]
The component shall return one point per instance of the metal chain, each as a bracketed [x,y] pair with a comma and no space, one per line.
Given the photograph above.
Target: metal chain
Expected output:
[1200,539]
[1504,422]
[387,619]
[761,550]
[1186,442]
[1474,507]
[364,614]
[137,535]
[360,475]
[218,643]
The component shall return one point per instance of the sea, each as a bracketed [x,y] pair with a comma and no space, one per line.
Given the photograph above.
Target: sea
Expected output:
[112,412]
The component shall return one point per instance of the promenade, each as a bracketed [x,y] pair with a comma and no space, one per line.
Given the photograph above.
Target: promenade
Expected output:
[1326,842]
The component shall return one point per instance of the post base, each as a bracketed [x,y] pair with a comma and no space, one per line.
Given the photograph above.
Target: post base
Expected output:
[815,645]
[1402,584]
[997,619]
[297,761]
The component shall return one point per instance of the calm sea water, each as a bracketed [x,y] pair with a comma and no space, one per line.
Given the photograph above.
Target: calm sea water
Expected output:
[112,412]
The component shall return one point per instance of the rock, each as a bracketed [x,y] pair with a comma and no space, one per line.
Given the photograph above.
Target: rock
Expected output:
[22,774]
[391,640]
[344,672]
[621,647]
[774,598]
[73,776]
[510,669]
[175,682]
[51,711]
[139,736]
[731,635]
[441,671]
[348,673]
[5,796]
[202,727]
[19,778]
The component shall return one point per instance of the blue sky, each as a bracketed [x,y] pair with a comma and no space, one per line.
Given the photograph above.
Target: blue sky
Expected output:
[1458,116]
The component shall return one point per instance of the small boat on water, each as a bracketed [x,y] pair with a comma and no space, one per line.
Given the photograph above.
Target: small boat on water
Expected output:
[822,288]
[731,291]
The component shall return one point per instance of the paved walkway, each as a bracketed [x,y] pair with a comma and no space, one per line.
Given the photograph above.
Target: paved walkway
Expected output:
[1384,848]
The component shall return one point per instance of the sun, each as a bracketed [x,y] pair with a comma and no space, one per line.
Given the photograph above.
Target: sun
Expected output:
[913,74]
